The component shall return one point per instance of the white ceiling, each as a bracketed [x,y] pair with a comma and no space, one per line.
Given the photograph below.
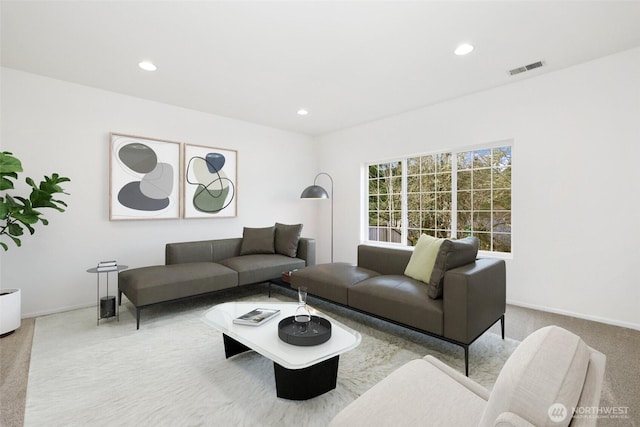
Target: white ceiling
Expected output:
[347,62]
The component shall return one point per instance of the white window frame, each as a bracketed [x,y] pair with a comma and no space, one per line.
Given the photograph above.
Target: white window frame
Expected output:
[454,198]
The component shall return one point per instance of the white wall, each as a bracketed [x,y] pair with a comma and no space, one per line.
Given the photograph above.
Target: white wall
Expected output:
[575,187]
[54,126]
[575,180]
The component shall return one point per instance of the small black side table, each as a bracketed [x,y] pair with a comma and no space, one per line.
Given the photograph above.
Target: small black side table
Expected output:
[106,306]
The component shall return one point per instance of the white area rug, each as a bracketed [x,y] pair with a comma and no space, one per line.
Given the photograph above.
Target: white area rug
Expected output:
[172,372]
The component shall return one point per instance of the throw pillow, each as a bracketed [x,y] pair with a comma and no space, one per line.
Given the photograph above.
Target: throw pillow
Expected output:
[257,241]
[287,238]
[423,258]
[452,254]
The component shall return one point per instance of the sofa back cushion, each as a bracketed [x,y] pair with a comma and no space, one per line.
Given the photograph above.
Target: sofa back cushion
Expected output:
[452,254]
[383,260]
[547,369]
[226,248]
[202,251]
[287,238]
[184,252]
[258,241]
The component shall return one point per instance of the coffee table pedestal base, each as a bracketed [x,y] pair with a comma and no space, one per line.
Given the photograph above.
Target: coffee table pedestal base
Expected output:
[232,347]
[305,383]
[295,384]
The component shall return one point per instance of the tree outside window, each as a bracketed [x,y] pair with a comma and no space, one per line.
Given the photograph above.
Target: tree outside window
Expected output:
[452,194]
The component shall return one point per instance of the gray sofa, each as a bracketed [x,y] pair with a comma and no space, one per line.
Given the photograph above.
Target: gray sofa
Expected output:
[551,373]
[473,291]
[196,268]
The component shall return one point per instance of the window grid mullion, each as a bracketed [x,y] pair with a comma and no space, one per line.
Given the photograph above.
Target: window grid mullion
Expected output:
[404,208]
[492,210]
[454,195]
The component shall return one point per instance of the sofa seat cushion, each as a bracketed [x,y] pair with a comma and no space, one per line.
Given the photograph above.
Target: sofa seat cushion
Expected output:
[158,283]
[400,299]
[547,368]
[261,267]
[413,395]
[330,281]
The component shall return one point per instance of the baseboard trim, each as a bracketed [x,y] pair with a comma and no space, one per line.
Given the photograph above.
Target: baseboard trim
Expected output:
[598,319]
[56,311]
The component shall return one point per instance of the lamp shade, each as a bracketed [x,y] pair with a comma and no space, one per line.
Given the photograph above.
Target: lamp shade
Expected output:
[314,192]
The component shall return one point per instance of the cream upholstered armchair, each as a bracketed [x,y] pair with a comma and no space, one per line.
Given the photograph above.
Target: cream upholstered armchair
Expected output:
[549,375]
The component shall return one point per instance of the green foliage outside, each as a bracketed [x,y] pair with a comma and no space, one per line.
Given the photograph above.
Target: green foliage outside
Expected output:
[482,194]
[18,213]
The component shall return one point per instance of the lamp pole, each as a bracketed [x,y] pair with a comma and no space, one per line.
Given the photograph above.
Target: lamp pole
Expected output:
[314,183]
[317,192]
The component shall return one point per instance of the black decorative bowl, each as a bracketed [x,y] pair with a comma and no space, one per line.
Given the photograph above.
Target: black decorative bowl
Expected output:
[317,331]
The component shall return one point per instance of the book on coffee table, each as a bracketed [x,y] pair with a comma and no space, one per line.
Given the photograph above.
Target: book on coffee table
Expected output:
[256,317]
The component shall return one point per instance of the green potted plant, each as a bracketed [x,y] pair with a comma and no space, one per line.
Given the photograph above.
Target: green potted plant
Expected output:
[16,214]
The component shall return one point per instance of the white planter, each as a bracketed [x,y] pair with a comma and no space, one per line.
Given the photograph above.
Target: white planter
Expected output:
[10,310]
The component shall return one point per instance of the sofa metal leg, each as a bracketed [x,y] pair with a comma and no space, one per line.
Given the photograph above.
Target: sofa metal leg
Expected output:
[466,360]
[502,325]
[138,310]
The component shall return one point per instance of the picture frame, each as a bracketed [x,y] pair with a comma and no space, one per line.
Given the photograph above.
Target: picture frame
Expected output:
[144,178]
[210,182]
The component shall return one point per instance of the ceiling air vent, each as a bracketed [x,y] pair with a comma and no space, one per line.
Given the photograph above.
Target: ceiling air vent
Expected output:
[526,68]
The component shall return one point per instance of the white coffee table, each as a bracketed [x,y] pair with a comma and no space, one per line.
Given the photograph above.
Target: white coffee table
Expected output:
[300,372]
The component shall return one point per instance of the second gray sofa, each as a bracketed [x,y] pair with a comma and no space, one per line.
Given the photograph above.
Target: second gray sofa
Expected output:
[470,299]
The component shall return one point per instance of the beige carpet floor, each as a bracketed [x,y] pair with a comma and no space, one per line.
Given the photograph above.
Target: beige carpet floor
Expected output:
[15,356]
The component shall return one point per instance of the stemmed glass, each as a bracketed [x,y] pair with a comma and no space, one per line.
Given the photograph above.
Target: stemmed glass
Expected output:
[302,316]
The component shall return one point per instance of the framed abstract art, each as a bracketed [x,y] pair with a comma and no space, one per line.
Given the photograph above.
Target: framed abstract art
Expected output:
[144,178]
[210,182]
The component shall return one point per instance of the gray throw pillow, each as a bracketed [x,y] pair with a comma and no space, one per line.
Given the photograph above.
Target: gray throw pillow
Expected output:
[452,254]
[257,241]
[287,238]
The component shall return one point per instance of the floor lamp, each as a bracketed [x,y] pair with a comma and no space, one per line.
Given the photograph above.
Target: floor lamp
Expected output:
[317,192]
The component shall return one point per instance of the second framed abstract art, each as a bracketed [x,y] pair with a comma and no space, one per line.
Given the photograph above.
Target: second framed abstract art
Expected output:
[210,182]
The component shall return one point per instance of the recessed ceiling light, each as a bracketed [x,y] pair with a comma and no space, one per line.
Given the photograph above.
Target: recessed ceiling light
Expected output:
[147,66]
[302,112]
[463,49]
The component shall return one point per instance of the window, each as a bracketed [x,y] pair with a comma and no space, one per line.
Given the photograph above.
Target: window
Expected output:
[385,202]
[453,194]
